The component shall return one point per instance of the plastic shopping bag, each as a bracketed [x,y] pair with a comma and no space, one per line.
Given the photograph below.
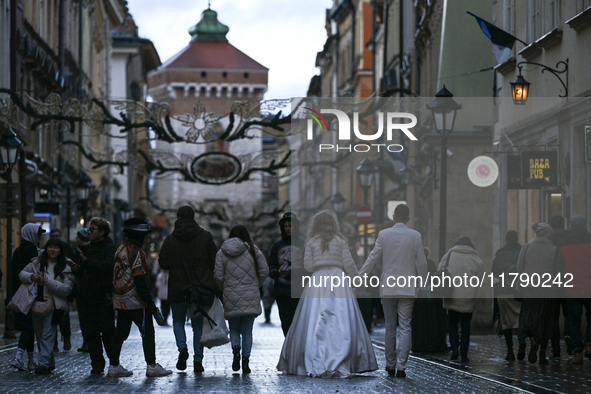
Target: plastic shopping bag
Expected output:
[215,335]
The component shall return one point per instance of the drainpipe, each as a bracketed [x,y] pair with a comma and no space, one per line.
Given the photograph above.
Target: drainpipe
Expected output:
[373,47]
[353,27]
[385,57]
[401,45]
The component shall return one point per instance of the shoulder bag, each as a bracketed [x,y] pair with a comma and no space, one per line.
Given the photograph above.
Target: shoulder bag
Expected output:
[199,295]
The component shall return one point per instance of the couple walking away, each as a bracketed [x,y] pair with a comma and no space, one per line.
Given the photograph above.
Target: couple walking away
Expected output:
[328,337]
[234,274]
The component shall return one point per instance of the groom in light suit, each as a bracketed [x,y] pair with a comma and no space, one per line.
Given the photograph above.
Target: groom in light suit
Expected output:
[400,250]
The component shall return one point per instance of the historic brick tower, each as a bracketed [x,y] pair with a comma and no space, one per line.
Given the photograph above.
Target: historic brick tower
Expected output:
[213,72]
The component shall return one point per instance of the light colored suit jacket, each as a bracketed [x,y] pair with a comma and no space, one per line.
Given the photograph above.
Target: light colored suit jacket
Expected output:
[400,249]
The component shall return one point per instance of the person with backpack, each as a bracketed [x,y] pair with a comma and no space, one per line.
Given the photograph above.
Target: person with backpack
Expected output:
[133,301]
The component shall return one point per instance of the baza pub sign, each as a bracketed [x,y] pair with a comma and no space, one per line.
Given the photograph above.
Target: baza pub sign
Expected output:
[532,170]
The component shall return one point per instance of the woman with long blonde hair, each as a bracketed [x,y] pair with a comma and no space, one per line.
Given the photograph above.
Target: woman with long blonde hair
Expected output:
[328,337]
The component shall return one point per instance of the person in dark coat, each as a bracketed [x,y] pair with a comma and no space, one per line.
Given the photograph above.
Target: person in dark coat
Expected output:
[81,240]
[96,290]
[22,256]
[535,319]
[573,260]
[285,253]
[189,256]
[558,233]
[505,263]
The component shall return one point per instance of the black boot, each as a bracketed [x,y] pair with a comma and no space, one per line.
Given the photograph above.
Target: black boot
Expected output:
[543,359]
[267,316]
[509,341]
[454,354]
[521,352]
[236,361]
[533,352]
[245,368]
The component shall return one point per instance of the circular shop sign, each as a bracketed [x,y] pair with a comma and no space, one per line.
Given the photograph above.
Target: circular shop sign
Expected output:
[216,168]
[483,171]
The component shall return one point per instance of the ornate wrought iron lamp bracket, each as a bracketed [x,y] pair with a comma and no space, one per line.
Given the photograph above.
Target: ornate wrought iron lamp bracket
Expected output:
[564,70]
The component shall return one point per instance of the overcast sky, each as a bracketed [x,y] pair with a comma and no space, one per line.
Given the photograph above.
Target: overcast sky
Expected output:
[282,35]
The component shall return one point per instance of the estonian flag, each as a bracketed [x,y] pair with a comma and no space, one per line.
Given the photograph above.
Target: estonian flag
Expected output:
[502,41]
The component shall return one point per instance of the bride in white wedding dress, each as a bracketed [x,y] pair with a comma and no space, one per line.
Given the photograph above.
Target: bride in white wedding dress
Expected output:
[328,337]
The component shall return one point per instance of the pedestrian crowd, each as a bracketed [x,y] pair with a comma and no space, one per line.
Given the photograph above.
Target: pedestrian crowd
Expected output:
[326,331]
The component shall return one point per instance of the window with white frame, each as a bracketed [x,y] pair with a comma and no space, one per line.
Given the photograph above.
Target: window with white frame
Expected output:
[535,28]
[551,15]
[509,16]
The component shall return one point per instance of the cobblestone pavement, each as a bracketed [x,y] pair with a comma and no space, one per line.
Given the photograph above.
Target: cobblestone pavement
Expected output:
[73,372]
[487,360]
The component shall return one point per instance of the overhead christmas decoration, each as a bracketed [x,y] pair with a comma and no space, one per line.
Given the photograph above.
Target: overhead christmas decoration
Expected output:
[198,127]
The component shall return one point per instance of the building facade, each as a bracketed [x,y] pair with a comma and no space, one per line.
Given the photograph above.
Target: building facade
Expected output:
[202,84]
[552,120]
[59,51]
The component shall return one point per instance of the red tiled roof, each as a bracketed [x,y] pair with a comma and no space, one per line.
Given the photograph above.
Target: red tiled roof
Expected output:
[212,55]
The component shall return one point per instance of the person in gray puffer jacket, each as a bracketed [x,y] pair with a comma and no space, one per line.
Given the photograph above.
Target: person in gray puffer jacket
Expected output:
[240,269]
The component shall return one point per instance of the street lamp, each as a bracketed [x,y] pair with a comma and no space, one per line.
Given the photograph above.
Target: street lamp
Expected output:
[365,172]
[520,87]
[83,188]
[444,109]
[9,149]
[338,203]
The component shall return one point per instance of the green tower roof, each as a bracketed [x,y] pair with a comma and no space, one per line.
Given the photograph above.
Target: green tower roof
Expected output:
[209,28]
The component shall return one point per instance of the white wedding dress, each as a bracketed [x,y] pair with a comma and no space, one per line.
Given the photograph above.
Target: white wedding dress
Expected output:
[328,337]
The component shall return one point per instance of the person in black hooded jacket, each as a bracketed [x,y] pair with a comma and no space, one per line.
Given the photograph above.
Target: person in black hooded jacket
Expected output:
[96,290]
[285,254]
[189,256]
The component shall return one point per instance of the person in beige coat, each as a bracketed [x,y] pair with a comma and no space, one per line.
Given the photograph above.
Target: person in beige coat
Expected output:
[53,275]
[537,313]
[240,270]
[463,259]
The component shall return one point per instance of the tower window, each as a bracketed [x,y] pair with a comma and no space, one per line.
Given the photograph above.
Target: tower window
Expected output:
[203,74]
[224,74]
[245,75]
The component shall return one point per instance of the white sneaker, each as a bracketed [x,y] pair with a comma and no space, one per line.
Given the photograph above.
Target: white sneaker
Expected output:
[18,364]
[118,372]
[157,371]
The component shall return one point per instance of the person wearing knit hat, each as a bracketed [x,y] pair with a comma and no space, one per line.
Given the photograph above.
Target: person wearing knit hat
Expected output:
[542,230]
[577,221]
[574,259]
[536,258]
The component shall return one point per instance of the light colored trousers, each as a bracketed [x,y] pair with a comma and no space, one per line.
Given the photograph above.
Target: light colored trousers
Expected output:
[45,334]
[398,309]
